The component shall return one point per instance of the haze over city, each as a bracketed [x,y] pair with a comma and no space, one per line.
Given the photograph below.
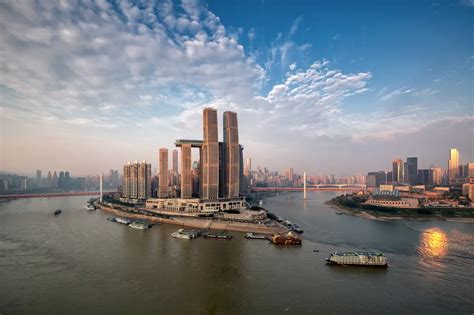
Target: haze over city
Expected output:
[88,86]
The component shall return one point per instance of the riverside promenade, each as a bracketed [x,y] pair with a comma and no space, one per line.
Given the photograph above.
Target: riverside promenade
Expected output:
[201,223]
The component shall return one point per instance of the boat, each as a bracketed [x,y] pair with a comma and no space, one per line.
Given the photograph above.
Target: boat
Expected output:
[139,225]
[122,221]
[358,259]
[289,238]
[297,228]
[339,213]
[58,212]
[316,250]
[89,207]
[260,203]
[220,236]
[186,234]
[256,236]
[111,219]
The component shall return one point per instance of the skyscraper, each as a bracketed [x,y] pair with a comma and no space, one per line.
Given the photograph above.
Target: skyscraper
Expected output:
[163,174]
[38,179]
[453,164]
[469,170]
[231,156]
[412,165]
[49,180]
[210,156]
[248,167]
[436,176]
[126,180]
[175,172]
[397,171]
[134,180]
[144,180]
[55,180]
[186,172]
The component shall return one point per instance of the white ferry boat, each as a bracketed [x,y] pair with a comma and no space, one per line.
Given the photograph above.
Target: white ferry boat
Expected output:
[139,225]
[186,234]
[358,259]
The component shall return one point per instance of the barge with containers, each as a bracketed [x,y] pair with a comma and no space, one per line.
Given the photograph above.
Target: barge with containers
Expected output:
[369,259]
[289,238]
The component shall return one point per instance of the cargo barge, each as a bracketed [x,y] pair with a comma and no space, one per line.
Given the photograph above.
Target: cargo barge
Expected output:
[369,259]
[256,236]
[289,238]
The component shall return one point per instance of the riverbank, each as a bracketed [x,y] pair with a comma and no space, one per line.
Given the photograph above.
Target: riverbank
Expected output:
[383,216]
[201,223]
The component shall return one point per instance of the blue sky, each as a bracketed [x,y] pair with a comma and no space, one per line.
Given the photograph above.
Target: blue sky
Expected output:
[336,87]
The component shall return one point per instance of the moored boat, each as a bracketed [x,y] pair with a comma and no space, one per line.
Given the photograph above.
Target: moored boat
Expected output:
[122,221]
[89,207]
[139,225]
[219,236]
[111,219]
[256,236]
[186,234]
[358,259]
[57,212]
[289,238]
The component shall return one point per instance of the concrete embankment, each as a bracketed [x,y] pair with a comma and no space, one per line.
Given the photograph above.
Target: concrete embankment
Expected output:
[201,223]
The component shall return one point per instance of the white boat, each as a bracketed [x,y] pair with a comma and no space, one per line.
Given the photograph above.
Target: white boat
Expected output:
[89,207]
[122,221]
[185,234]
[358,259]
[138,225]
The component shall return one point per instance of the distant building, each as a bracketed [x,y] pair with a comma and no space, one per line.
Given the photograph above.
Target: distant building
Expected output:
[397,171]
[424,177]
[468,190]
[412,168]
[38,179]
[163,173]
[375,179]
[55,180]
[470,170]
[436,176]
[174,180]
[453,164]
[248,167]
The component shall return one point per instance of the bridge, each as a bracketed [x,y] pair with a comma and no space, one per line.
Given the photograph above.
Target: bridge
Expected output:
[56,194]
[312,188]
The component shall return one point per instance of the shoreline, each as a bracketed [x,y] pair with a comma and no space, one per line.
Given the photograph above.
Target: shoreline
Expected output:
[364,214]
[200,223]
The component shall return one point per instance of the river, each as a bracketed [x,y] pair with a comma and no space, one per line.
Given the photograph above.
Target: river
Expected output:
[78,262]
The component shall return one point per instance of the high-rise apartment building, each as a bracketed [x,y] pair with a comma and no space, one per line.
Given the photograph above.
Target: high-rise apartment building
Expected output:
[453,164]
[174,167]
[231,156]
[397,171]
[412,168]
[126,181]
[210,156]
[186,171]
[144,180]
[163,173]
[136,180]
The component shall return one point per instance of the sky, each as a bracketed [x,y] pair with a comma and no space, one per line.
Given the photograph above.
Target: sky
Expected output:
[331,87]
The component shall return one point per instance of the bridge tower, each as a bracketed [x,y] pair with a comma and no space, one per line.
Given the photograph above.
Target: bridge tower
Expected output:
[304,185]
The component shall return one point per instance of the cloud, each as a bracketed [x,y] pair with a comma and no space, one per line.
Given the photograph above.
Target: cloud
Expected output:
[294,26]
[385,96]
[66,58]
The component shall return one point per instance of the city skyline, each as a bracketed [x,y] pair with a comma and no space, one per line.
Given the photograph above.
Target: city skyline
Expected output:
[94,82]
